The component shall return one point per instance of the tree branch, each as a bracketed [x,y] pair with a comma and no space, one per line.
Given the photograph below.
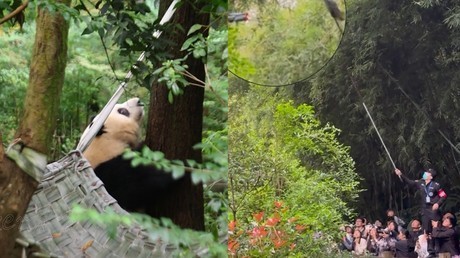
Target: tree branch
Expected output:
[15,12]
[103,42]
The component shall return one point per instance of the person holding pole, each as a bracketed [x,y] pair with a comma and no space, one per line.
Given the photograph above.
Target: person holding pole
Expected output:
[432,196]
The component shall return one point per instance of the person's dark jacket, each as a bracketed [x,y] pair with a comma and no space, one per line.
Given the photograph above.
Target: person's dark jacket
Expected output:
[437,195]
[413,237]
[403,249]
[448,240]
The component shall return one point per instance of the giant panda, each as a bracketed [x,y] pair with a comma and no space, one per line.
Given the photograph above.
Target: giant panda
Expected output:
[133,187]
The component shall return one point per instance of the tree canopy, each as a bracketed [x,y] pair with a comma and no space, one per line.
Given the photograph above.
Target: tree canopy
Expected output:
[284,41]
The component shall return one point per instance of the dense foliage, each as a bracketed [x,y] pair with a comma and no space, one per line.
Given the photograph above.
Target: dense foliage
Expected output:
[402,59]
[88,84]
[281,154]
[282,43]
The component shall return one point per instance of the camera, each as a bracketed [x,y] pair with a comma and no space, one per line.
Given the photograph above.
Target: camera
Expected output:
[383,231]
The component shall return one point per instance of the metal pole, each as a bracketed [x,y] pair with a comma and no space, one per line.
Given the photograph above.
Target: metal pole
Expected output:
[380,137]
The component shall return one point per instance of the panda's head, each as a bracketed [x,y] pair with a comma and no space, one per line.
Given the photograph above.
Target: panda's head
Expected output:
[124,118]
[120,131]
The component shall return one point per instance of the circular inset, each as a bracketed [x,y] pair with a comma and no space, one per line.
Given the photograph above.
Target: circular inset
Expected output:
[281,42]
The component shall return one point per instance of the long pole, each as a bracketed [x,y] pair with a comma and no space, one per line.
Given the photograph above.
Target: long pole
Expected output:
[380,137]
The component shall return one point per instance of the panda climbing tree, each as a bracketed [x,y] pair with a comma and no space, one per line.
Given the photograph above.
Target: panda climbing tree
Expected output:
[172,128]
[139,188]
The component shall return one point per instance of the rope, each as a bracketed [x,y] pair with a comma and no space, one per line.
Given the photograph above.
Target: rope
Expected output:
[30,161]
[94,127]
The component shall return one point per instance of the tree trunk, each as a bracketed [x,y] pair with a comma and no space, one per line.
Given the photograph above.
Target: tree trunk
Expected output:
[45,81]
[38,123]
[175,128]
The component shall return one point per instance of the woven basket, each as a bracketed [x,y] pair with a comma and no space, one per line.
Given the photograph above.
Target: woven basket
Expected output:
[46,223]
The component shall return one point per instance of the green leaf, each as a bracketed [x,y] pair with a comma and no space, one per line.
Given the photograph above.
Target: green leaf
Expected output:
[147,153]
[191,162]
[215,205]
[158,155]
[199,52]
[88,30]
[189,42]
[175,89]
[194,28]
[159,70]
[199,176]
[129,154]
[169,72]
[179,68]
[177,171]
[136,162]
[170,97]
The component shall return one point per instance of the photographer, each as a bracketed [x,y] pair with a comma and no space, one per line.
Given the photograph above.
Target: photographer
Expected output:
[392,227]
[403,248]
[347,240]
[372,242]
[447,236]
[415,230]
[386,243]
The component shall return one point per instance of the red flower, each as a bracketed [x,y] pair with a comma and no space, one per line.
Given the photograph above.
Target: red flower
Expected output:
[292,246]
[258,216]
[271,222]
[278,204]
[231,225]
[278,242]
[233,246]
[300,228]
[258,232]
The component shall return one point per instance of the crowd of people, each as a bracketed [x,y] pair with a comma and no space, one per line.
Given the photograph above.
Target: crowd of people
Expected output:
[394,238]
[434,235]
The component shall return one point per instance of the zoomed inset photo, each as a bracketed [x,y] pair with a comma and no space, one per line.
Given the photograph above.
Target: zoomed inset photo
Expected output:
[281,42]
